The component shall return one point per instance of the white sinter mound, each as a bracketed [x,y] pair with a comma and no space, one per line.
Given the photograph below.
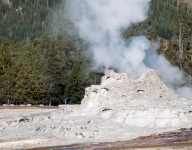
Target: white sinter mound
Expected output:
[119,109]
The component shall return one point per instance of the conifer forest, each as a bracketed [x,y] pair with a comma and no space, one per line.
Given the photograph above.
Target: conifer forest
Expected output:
[39,65]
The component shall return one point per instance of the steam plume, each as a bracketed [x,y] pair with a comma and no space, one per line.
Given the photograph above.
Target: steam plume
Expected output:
[101,22]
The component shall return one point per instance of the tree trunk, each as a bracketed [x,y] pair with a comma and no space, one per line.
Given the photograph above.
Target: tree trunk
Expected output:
[180,42]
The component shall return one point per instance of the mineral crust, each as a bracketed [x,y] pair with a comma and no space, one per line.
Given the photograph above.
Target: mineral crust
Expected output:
[119,109]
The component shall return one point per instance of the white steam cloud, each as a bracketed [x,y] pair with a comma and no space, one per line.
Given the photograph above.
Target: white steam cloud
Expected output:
[101,22]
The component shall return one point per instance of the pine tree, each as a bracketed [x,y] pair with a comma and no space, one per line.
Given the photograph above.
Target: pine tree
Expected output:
[6,72]
[77,82]
[23,84]
[181,27]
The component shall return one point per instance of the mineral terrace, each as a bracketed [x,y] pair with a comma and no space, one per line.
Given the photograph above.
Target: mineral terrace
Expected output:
[119,109]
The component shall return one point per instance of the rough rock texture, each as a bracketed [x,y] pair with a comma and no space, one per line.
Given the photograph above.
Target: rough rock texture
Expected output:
[118,109]
[145,102]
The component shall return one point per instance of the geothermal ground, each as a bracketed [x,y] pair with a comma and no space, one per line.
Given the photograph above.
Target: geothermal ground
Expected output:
[119,109]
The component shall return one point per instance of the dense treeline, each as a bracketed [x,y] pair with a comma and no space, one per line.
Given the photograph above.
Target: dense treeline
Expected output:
[38,68]
[25,19]
[170,23]
[45,70]
[178,33]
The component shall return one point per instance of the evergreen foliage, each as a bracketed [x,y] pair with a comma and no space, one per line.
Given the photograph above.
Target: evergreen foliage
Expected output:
[77,82]
[38,72]
[169,21]
[25,19]
[40,69]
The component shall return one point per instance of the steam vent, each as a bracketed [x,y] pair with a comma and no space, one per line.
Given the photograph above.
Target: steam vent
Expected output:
[119,109]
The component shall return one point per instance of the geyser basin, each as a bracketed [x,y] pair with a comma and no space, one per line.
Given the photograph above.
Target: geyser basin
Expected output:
[119,109]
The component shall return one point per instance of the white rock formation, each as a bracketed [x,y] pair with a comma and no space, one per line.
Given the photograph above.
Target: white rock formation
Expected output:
[118,109]
[145,102]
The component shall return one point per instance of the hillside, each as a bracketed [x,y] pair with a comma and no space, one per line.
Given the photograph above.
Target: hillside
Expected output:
[163,23]
[146,95]
[25,19]
[37,67]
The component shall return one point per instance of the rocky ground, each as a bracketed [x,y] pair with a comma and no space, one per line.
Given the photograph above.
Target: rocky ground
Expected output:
[119,109]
